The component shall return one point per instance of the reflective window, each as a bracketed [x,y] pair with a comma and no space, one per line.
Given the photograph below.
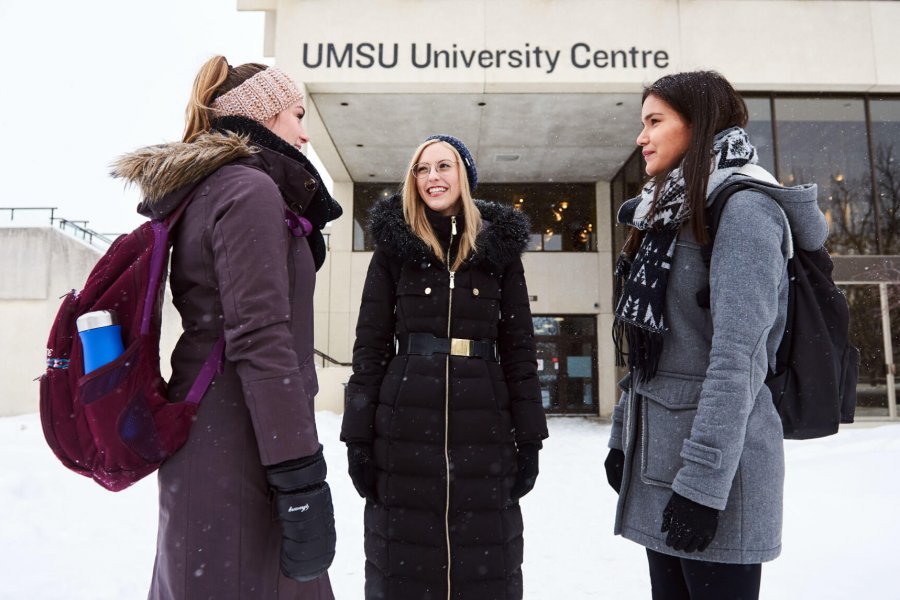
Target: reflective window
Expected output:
[626,184]
[364,197]
[867,333]
[562,215]
[885,115]
[567,362]
[759,128]
[824,141]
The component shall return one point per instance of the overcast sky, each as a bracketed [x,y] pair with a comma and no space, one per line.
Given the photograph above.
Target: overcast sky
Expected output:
[85,81]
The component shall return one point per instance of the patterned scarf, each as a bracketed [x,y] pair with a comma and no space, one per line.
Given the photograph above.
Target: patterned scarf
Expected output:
[640,290]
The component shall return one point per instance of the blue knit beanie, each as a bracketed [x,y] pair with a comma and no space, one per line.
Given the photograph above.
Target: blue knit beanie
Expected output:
[464,153]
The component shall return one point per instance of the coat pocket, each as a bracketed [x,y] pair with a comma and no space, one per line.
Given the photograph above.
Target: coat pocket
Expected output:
[418,297]
[480,297]
[668,406]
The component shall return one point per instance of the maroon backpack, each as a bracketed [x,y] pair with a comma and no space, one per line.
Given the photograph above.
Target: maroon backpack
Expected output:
[115,424]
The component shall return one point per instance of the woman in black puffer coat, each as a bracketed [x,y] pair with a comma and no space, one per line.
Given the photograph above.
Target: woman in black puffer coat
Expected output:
[443,415]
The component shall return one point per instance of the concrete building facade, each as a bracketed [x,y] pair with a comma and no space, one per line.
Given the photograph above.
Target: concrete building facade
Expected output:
[546,94]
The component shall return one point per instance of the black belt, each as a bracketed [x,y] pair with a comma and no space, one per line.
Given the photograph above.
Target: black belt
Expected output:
[427,344]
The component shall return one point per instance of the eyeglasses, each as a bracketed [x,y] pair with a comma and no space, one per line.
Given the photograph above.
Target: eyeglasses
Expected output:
[423,170]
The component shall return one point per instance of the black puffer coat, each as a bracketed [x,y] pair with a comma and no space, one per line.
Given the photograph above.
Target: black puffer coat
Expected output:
[444,428]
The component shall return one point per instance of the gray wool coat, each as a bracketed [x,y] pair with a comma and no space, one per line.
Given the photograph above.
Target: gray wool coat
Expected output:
[705,425]
[237,271]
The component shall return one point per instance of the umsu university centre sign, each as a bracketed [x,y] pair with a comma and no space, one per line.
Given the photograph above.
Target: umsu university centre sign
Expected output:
[536,58]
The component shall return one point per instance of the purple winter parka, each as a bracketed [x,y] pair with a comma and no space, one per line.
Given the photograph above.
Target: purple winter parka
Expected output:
[236,271]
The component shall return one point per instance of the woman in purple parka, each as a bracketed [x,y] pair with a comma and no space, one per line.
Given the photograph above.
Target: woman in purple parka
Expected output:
[244,263]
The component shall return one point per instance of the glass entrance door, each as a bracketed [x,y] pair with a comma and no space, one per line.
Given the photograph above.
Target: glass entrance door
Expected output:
[567,362]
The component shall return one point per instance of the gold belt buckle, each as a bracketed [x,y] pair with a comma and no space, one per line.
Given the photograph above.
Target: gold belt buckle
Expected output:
[461,347]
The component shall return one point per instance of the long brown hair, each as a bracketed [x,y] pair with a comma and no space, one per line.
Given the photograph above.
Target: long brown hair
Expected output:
[215,78]
[414,209]
[708,104]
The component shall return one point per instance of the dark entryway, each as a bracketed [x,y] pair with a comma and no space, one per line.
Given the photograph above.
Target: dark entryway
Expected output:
[567,362]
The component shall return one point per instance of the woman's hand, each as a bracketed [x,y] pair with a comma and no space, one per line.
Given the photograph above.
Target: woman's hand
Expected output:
[527,470]
[303,502]
[361,466]
[615,467]
[691,526]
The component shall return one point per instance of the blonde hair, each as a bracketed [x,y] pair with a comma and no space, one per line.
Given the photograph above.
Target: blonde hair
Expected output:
[414,210]
[215,78]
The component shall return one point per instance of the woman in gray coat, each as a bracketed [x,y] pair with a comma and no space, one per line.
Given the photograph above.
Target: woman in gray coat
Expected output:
[696,449]
[244,510]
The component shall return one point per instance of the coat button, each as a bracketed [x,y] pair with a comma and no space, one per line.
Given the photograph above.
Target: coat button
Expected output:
[310,184]
[428,290]
[474,291]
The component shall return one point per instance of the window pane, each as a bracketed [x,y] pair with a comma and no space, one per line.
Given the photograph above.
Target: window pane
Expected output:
[823,141]
[627,184]
[562,215]
[759,128]
[886,144]
[566,362]
[866,334]
[364,197]
[548,373]
[585,326]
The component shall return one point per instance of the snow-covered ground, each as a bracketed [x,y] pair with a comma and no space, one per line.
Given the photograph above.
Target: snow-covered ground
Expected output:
[63,537]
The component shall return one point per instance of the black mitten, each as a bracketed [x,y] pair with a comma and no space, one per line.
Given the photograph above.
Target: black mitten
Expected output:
[361,465]
[615,466]
[691,526]
[304,506]
[526,475]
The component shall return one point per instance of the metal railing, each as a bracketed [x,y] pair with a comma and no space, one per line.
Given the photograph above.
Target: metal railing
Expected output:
[12,210]
[77,229]
[333,361]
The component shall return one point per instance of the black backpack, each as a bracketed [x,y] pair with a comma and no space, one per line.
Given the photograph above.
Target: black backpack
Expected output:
[813,383]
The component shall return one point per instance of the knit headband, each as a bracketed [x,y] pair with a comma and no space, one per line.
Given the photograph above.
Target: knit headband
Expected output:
[260,97]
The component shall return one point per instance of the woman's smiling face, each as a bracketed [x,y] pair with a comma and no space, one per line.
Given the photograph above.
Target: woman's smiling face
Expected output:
[665,137]
[439,188]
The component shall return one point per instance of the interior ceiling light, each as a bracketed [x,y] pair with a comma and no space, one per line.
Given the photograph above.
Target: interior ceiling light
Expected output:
[506,157]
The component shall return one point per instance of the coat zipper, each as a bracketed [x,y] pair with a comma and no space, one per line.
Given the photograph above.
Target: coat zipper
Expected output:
[447,405]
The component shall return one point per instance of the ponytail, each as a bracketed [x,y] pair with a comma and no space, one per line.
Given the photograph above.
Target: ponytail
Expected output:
[215,78]
[197,114]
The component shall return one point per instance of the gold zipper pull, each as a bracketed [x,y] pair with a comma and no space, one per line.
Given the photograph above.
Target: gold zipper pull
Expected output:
[452,279]
[453,225]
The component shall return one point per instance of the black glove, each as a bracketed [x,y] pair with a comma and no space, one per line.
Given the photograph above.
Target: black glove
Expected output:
[361,465]
[306,513]
[526,475]
[691,526]
[615,466]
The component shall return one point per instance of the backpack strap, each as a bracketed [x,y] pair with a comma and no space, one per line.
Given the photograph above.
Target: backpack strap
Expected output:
[213,365]
[159,257]
[216,359]
[714,215]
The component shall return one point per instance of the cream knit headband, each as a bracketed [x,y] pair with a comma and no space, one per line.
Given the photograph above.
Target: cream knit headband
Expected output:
[262,96]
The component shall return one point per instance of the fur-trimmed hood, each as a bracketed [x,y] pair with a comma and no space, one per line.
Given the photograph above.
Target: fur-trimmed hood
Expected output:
[162,169]
[503,237]
[168,173]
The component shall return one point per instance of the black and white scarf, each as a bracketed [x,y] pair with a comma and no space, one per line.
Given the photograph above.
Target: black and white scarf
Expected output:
[640,291]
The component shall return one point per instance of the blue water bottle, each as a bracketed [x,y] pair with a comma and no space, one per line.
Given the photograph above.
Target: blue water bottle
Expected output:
[101,338]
